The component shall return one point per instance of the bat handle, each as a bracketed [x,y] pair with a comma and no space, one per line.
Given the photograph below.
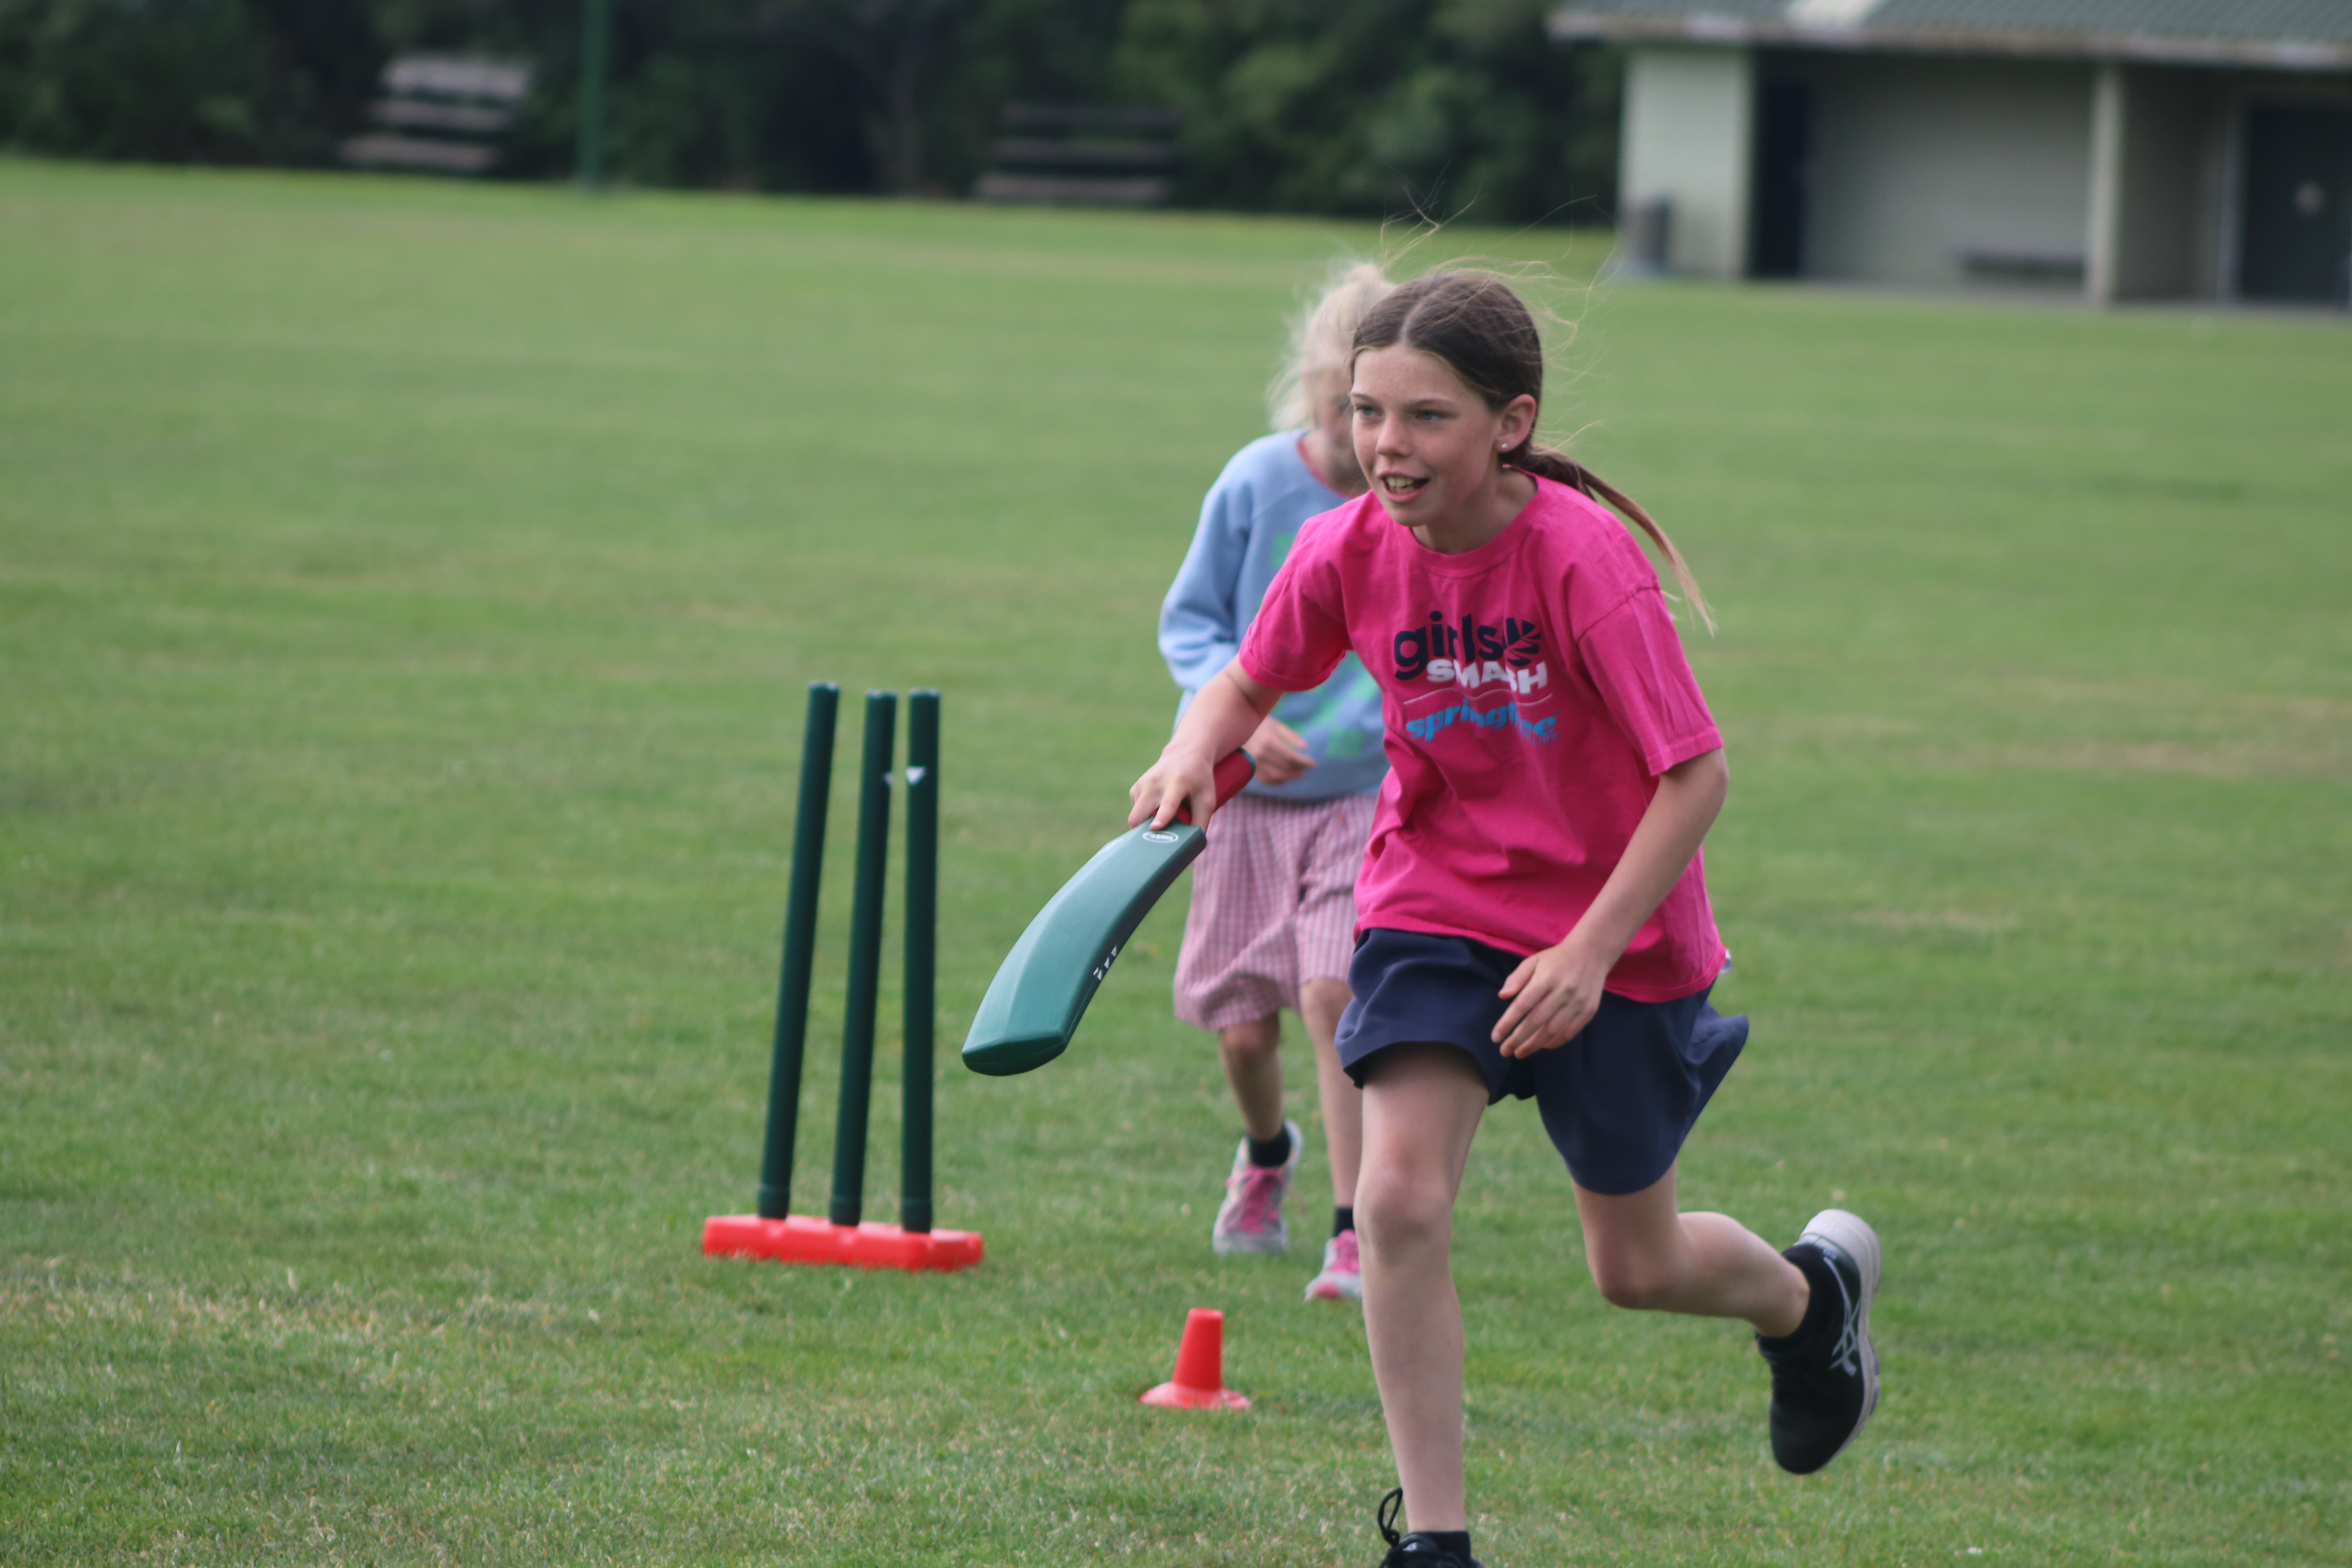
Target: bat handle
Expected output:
[1234,772]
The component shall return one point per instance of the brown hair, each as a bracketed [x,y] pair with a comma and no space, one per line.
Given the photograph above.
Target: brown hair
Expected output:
[1484,331]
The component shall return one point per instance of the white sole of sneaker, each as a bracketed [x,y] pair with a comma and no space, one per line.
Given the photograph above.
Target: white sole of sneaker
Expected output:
[1852,1234]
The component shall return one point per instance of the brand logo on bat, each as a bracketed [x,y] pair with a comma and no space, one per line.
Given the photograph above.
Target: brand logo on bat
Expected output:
[1160,835]
[1104,967]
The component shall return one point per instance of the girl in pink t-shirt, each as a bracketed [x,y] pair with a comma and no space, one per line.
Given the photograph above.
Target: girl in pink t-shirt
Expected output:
[1532,911]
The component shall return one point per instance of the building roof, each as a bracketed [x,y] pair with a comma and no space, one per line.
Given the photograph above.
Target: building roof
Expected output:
[2279,35]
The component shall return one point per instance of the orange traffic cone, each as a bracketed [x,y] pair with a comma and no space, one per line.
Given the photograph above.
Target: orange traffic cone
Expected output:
[1200,1380]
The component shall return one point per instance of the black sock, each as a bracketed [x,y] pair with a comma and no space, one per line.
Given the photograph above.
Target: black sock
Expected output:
[1343,1219]
[1274,1151]
[1825,1311]
[1457,1541]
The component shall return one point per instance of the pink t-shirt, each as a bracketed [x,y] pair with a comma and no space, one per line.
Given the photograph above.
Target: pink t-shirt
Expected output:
[1533,690]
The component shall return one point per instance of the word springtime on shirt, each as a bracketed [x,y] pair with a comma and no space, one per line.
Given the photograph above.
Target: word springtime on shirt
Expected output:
[1501,717]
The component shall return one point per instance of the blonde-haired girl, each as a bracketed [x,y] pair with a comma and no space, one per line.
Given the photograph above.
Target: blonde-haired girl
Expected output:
[1273,914]
[1535,908]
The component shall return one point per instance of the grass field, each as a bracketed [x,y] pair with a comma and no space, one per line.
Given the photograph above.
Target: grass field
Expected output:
[405,595]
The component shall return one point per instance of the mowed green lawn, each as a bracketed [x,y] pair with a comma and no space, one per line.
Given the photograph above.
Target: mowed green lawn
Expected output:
[406,594]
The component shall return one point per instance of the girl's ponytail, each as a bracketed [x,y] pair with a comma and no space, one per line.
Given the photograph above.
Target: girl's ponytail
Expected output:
[1546,463]
[1478,325]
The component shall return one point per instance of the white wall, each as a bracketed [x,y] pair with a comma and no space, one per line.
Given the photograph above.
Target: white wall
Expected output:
[1918,162]
[1689,118]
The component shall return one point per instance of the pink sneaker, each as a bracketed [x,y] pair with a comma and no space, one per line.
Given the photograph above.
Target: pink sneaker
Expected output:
[1250,1219]
[1342,1278]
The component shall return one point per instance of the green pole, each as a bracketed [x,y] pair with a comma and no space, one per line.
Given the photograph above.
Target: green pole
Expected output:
[922,933]
[799,950]
[595,58]
[865,959]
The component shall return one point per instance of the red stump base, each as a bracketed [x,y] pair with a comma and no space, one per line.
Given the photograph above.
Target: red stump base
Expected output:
[804,1238]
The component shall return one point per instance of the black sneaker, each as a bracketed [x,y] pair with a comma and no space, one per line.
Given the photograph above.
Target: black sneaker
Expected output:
[1824,1390]
[1415,1550]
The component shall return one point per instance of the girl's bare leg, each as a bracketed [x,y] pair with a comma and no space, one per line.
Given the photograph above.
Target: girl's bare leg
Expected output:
[1250,1054]
[1421,1106]
[1320,1002]
[1645,1255]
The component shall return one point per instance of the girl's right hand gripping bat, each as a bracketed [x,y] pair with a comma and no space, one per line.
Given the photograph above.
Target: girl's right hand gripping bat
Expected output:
[1042,989]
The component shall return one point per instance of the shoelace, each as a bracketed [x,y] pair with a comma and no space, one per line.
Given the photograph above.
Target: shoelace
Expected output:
[1391,1506]
[1846,1354]
[1261,1190]
[1344,1257]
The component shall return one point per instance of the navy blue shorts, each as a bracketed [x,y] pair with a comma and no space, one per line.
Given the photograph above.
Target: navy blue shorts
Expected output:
[1618,1100]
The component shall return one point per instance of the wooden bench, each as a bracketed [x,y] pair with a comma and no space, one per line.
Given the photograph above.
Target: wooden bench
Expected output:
[445,114]
[1069,156]
[2000,264]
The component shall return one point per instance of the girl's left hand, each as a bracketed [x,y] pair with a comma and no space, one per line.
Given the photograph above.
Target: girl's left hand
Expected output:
[1280,751]
[1553,995]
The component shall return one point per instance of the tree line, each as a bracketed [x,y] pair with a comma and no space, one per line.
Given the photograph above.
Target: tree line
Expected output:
[1459,107]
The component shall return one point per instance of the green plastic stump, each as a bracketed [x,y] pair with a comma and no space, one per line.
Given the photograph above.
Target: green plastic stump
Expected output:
[1042,989]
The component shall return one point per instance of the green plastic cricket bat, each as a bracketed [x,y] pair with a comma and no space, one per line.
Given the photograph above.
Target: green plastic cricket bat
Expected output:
[1042,989]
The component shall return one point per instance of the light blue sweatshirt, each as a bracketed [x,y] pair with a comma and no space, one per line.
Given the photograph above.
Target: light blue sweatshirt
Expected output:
[1252,514]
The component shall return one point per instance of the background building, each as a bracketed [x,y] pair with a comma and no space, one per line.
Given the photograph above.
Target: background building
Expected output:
[2127,149]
